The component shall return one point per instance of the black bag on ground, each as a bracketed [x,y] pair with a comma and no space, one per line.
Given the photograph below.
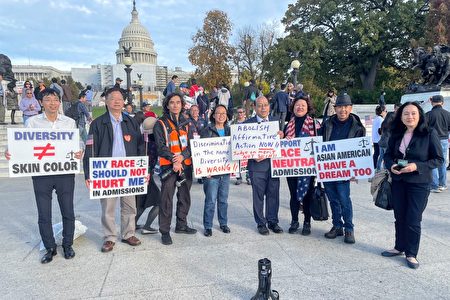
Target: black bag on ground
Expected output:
[319,204]
[383,196]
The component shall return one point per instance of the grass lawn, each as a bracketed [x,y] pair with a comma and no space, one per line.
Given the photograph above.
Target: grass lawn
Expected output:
[100,110]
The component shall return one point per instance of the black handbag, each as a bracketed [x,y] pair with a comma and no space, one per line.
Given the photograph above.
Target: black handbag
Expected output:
[383,196]
[319,204]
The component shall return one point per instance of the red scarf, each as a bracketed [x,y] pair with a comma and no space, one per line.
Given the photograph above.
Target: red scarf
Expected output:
[308,127]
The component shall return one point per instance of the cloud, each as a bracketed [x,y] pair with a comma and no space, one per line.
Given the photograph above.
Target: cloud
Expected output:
[67,6]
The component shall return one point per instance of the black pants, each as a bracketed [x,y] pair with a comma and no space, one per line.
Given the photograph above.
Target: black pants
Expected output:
[294,204]
[376,153]
[183,201]
[410,200]
[43,189]
[268,188]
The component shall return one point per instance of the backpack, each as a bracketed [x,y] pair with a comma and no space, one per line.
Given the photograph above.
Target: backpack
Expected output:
[73,112]
[165,92]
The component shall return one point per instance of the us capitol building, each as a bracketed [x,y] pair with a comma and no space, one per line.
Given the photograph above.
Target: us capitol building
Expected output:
[143,54]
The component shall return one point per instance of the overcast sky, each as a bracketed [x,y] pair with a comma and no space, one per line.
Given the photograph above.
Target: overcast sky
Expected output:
[71,33]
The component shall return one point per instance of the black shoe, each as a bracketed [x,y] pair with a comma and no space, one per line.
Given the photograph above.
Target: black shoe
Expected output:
[262,229]
[306,228]
[238,182]
[334,232]
[68,252]
[391,253]
[166,239]
[412,264]
[185,229]
[275,228]
[349,237]
[200,181]
[208,232]
[294,227]
[225,229]
[13,123]
[249,182]
[3,123]
[48,256]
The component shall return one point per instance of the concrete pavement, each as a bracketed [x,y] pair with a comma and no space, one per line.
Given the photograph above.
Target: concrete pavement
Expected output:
[223,266]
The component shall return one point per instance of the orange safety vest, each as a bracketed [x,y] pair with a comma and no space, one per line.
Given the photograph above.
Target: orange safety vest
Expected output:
[173,143]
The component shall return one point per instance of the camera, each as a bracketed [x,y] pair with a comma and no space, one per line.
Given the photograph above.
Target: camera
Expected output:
[166,173]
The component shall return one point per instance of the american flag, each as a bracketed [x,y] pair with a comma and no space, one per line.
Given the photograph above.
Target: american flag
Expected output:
[90,140]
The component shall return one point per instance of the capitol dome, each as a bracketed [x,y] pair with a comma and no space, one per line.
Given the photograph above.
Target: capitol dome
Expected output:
[137,37]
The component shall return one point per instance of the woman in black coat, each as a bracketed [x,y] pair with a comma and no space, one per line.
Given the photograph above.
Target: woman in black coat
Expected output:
[413,151]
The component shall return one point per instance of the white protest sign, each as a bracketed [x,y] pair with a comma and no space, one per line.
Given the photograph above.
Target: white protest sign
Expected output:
[212,156]
[117,176]
[255,140]
[47,151]
[297,158]
[344,159]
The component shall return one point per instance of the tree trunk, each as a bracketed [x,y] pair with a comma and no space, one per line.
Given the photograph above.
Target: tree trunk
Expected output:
[368,76]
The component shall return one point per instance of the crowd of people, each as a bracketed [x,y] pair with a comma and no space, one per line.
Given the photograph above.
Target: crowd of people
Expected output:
[399,138]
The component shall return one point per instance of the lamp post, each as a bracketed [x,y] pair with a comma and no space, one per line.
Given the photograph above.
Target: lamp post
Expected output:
[128,61]
[140,84]
[295,65]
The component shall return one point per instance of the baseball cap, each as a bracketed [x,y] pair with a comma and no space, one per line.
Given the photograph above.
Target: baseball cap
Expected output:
[118,79]
[437,98]
[183,86]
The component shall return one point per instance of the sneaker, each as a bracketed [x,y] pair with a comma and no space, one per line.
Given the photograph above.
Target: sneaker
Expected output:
[349,237]
[208,232]
[294,227]
[185,229]
[225,229]
[275,228]
[262,229]
[149,230]
[166,239]
[306,228]
[334,232]
[443,188]
[435,190]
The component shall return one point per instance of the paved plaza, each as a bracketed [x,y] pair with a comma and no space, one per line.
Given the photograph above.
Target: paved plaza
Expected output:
[223,266]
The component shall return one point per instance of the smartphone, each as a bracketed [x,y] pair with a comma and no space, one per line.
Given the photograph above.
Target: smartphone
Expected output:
[398,167]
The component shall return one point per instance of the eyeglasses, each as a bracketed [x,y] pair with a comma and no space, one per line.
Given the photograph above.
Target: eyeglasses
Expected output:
[29,93]
[221,114]
[240,112]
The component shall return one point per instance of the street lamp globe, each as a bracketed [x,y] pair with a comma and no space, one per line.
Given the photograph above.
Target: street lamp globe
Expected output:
[127,61]
[295,64]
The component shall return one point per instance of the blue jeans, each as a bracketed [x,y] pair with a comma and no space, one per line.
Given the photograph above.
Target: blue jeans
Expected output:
[380,162]
[216,189]
[440,173]
[338,193]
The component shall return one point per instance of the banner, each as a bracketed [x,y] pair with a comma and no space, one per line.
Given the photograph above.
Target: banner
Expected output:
[117,176]
[212,156]
[255,140]
[43,151]
[297,158]
[344,159]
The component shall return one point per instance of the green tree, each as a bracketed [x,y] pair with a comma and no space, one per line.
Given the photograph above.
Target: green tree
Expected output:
[349,40]
[212,52]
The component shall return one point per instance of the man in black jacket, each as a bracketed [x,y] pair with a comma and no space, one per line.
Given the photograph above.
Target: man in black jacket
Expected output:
[115,134]
[439,119]
[342,125]
[263,185]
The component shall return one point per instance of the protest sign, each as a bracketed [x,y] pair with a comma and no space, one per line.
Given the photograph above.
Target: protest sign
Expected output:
[117,176]
[297,158]
[255,140]
[344,159]
[37,152]
[212,156]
